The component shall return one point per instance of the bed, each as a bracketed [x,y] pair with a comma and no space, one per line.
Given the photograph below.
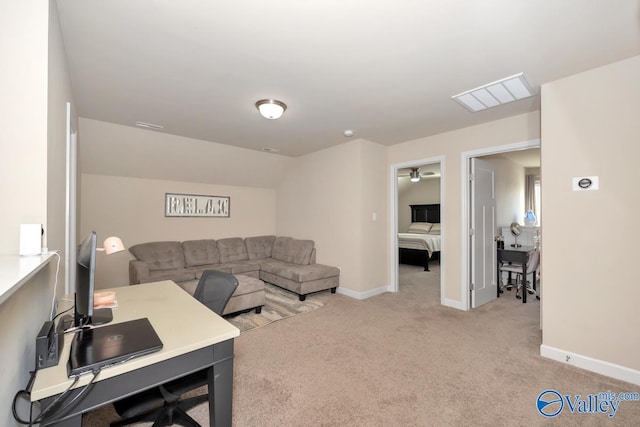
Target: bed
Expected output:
[422,241]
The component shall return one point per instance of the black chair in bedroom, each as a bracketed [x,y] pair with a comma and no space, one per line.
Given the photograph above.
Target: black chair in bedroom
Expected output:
[162,404]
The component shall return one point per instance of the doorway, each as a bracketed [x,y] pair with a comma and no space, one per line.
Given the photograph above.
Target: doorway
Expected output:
[501,152]
[428,171]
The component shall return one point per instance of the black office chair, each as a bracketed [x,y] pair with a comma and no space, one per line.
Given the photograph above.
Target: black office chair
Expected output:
[214,290]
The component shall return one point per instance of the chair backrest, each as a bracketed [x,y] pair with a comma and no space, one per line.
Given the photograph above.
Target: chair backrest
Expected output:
[215,289]
[533,262]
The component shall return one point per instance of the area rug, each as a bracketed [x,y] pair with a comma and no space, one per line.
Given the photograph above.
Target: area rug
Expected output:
[279,304]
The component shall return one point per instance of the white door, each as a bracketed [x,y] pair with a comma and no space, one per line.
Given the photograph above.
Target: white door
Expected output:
[482,231]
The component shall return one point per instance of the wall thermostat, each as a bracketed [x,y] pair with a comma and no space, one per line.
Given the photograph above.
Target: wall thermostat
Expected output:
[582,183]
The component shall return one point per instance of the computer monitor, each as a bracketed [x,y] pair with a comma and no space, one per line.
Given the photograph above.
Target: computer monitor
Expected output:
[84,313]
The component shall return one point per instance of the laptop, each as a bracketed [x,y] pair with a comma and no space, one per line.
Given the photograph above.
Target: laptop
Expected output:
[97,348]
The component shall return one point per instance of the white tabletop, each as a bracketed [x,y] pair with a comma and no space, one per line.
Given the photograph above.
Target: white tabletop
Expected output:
[182,323]
[15,270]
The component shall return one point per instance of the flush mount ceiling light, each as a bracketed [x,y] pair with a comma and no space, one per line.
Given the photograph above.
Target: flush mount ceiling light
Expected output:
[271,108]
[497,93]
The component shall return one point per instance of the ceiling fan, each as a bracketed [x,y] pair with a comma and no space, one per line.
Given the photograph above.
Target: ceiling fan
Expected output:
[415,174]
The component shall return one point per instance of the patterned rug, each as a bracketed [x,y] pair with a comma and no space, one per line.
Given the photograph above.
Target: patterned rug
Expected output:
[279,304]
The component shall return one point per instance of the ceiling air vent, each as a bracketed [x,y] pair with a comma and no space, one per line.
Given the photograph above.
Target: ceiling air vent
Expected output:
[497,93]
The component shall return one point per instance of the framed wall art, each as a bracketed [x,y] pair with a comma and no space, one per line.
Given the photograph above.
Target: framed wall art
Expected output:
[196,205]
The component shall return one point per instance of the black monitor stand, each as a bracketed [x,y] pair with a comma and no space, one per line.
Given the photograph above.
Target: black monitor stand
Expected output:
[101,316]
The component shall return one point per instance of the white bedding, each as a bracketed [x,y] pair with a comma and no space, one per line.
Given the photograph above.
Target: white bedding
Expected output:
[424,242]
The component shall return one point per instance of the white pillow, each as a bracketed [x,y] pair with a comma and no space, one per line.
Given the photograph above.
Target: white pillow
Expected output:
[435,229]
[419,227]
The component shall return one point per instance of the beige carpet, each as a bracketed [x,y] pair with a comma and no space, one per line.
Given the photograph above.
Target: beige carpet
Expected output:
[279,305]
[404,360]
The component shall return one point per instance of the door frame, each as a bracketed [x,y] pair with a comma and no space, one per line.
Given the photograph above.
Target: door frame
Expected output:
[393,216]
[465,157]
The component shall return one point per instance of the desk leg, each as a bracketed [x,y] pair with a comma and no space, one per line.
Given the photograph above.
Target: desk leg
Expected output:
[220,377]
[499,276]
[524,281]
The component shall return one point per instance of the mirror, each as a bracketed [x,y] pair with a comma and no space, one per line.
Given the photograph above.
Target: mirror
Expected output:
[516,230]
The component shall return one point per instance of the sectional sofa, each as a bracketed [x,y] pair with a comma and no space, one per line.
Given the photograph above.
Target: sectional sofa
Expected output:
[283,261]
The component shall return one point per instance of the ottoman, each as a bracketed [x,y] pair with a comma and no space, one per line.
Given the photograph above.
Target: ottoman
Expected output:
[248,295]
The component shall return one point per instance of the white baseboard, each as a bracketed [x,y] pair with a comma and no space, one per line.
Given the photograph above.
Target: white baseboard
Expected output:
[453,304]
[363,295]
[590,364]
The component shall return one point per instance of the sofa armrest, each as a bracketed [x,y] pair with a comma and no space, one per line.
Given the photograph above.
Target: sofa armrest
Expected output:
[138,272]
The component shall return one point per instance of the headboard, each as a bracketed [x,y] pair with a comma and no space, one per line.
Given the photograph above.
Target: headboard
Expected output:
[425,213]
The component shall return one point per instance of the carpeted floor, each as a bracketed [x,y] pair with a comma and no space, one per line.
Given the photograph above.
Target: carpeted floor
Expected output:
[402,359]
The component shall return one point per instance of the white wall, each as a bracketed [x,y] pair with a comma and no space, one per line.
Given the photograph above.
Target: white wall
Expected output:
[330,196]
[133,209]
[23,112]
[425,191]
[590,311]
[34,84]
[509,192]
[117,150]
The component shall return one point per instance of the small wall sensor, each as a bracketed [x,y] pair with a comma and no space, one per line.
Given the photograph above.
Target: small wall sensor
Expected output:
[582,183]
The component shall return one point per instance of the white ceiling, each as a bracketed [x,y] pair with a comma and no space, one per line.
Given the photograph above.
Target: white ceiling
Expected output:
[384,68]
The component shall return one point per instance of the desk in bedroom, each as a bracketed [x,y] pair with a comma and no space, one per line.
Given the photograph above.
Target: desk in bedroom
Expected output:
[179,321]
[518,255]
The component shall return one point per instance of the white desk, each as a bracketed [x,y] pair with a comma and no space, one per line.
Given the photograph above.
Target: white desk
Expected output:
[193,336]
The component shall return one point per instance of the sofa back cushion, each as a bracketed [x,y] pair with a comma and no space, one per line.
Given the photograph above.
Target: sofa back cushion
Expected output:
[293,250]
[259,247]
[200,252]
[159,255]
[232,249]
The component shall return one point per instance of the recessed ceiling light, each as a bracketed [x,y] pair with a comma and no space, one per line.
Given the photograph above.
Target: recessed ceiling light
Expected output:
[500,92]
[149,125]
[270,150]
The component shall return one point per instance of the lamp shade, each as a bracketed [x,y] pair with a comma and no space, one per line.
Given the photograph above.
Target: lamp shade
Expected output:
[271,108]
[112,245]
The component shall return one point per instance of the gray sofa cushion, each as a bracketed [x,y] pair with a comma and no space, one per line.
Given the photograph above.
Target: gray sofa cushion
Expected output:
[232,249]
[259,247]
[200,252]
[159,255]
[175,275]
[292,250]
[240,267]
[299,273]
